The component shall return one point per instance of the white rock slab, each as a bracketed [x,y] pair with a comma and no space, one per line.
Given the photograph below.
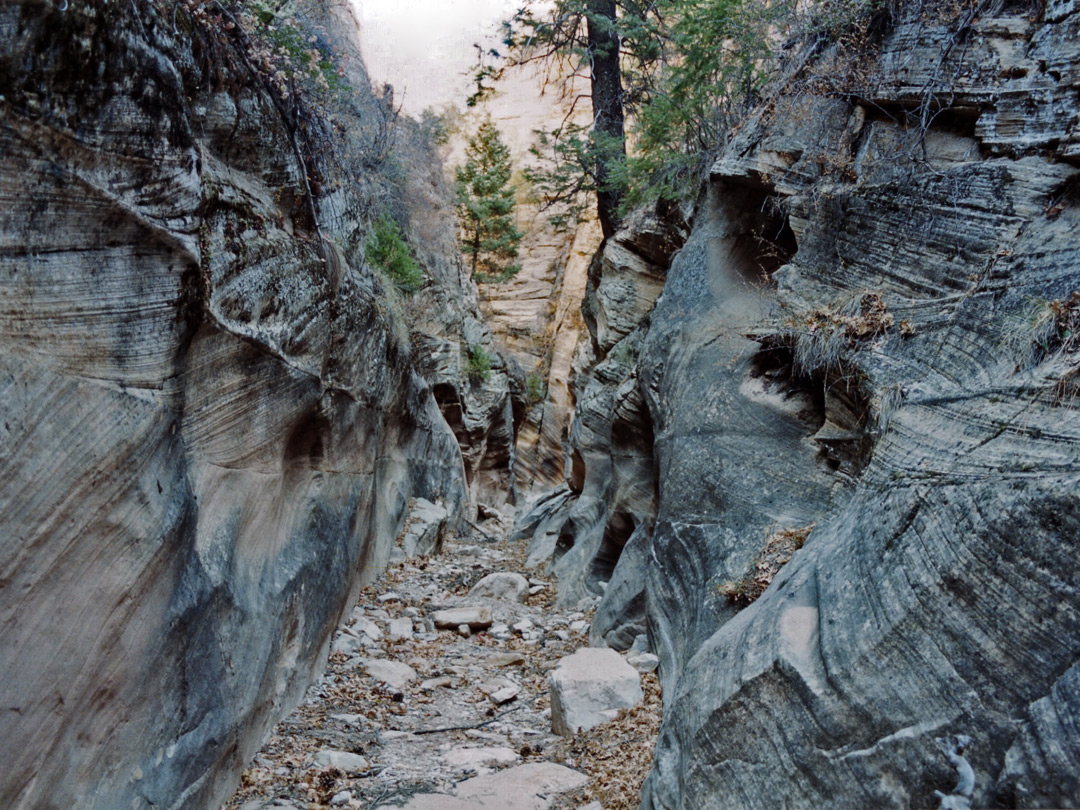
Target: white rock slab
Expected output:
[432,684]
[505,586]
[589,687]
[480,757]
[393,673]
[504,695]
[366,626]
[533,786]
[643,662]
[401,628]
[342,760]
[477,618]
[347,644]
[341,799]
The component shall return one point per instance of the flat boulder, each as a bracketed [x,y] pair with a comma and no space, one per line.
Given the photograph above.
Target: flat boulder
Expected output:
[342,760]
[533,786]
[477,618]
[480,757]
[505,586]
[392,673]
[589,687]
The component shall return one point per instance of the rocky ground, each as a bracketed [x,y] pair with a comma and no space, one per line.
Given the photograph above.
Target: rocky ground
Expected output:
[453,717]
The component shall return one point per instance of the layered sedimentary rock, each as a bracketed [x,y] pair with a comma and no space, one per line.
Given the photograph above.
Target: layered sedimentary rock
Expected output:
[899,394]
[868,337]
[212,423]
[610,478]
[447,329]
[535,316]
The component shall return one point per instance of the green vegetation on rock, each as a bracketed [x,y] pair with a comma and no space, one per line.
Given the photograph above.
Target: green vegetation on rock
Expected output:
[387,251]
[478,366]
[671,79]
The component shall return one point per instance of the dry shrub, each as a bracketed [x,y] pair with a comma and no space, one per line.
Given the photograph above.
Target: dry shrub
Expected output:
[1055,335]
[775,554]
[1048,331]
[819,338]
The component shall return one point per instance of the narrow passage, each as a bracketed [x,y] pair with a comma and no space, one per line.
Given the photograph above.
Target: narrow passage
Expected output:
[425,717]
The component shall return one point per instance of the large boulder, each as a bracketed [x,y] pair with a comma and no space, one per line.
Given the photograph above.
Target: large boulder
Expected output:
[589,688]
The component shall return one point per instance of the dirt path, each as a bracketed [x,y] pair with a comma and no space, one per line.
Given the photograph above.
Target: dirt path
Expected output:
[431,719]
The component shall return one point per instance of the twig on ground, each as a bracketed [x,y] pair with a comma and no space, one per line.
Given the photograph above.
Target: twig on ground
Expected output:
[494,719]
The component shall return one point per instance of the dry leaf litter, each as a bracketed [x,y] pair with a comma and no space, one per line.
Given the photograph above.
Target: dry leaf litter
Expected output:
[477,704]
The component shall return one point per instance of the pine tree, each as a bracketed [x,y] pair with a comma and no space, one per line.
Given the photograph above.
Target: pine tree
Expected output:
[485,205]
[617,44]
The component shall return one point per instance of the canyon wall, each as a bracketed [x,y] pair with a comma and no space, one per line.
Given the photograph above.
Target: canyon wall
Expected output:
[213,416]
[867,342]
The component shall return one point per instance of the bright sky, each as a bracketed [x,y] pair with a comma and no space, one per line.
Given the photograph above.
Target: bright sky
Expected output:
[425,47]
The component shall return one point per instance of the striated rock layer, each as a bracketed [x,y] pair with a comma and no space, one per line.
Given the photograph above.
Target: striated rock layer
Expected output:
[867,341]
[211,424]
[935,445]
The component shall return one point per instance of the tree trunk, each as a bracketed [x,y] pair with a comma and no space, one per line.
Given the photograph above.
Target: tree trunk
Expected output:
[607,101]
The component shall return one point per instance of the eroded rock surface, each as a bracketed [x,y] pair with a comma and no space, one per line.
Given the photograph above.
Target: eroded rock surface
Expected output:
[864,342]
[936,595]
[213,423]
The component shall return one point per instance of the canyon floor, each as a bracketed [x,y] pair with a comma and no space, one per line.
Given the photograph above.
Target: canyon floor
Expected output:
[408,715]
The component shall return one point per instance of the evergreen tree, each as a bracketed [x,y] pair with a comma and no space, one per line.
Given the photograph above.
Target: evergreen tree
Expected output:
[718,59]
[485,206]
[617,43]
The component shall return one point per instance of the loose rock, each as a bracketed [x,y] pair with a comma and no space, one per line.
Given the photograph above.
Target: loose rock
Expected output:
[393,673]
[505,659]
[401,629]
[477,618]
[342,760]
[367,627]
[504,695]
[506,586]
[431,684]
[589,687]
[645,662]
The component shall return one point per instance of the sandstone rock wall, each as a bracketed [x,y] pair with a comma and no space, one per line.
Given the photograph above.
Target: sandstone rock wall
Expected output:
[446,325]
[868,332]
[212,419]
[611,479]
[936,455]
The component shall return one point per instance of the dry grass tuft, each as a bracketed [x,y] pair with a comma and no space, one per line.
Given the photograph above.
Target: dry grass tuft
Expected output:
[819,338]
